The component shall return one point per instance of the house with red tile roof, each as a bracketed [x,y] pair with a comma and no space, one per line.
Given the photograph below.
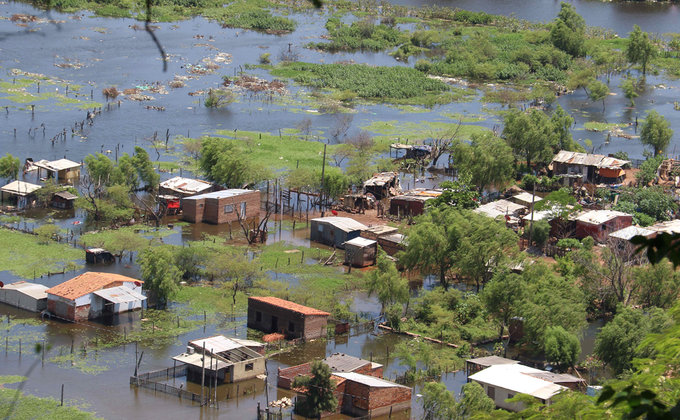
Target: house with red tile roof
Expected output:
[91,295]
[274,315]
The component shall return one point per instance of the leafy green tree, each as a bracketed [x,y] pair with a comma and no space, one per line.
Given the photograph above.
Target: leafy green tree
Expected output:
[640,48]
[118,242]
[487,158]
[112,205]
[598,91]
[503,298]
[9,166]
[319,390]
[568,31]
[530,135]
[656,132]
[652,201]
[124,173]
[189,260]
[540,232]
[387,283]
[630,89]
[560,205]
[142,163]
[657,285]
[561,123]
[561,347]
[648,168]
[223,162]
[473,402]
[99,168]
[617,342]
[160,274]
[457,194]
[438,402]
[236,272]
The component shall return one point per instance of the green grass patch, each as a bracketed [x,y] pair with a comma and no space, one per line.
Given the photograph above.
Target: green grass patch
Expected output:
[11,379]
[600,126]
[389,131]
[24,256]
[30,407]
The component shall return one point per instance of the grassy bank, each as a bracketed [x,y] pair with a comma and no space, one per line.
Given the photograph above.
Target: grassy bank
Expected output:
[23,255]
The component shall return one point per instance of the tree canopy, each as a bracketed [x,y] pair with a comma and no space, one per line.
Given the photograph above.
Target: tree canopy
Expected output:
[656,132]
[319,390]
[640,48]
[487,158]
[159,273]
[224,162]
[9,166]
[568,31]
[387,283]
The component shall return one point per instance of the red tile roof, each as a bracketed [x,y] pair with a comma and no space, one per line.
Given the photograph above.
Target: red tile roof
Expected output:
[87,283]
[291,306]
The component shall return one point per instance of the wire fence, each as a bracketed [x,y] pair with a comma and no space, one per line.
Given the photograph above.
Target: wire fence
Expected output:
[149,380]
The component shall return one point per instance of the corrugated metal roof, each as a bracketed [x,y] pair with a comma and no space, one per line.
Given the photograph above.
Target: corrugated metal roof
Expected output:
[361,242]
[196,359]
[395,237]
[587,159]
[517,378]
[216,344]
[371,381]
[341,362]
[492,361]
[87,283]
[539,215]
[670,226]
[556,377]
[629,232]
[62,164]
[597,217]
[119,294]
[186,185]
[66,195]
[286,304]
[526,197]
[34,290]
[499,208]
[221,194]
[20,188]
[381,230]
[345,224]
[381,179]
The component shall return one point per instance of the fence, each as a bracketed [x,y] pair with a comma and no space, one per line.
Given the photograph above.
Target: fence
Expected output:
[149,380]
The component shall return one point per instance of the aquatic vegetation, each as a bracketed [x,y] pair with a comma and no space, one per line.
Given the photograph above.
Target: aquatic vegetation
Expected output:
[30,407]
[37,259]
[417,132]
[360,35]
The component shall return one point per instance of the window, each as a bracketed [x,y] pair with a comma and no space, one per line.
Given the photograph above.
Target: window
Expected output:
[249,366]
[200,206]
[228,208]
[291,326]
[510,395]
[243,210]
[258,316]
[491,392]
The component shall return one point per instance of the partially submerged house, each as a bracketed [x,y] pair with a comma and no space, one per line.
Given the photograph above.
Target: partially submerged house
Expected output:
[98,256]
[63,170]
[19,193]
[361,252]
[224,206]
[383,185]
[586,167]
[412,203]
[501,208]
[25,295]
[334,231]
[274,315]
[185,187]
[600,223]
[504,381]
[227,359]
[365,395]
[337,362]
[63,200]
[410,151]
[91,295]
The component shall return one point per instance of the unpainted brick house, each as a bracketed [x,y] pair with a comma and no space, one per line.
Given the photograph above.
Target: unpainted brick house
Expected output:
[274,315]
[224,206]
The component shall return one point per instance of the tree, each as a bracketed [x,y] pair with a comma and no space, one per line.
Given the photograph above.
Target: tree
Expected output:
[487,158]
[124,173]
[9,166]
[540,232]
[99,168]
[656,132]
[438,402]
[457,194]
[657,285]
[617,342]
[598,91]
[386,282]
[223,163]
[118,242]
[219,98]
[160,274]
[648,168]
[561,347]
[568,31]
[473,402]
[630,89]
[640,48]
[189,260]
[560,205]
[652,201]
[319,390]
[561,123]
[530,135]
[503,298]
[236,273]
[142,163]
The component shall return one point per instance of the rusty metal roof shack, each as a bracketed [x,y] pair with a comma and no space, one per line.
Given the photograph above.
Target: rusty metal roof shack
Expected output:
[589,167]
[383,185]
[185,187]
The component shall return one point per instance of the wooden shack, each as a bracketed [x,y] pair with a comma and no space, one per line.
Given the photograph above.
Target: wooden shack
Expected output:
[588,167]
[24,295]
[99,256]
[63,170]
[274,315]
[383,185]
[63,200]
[334,231]
[412,203]
[19,194]
[360,252]
[224,206]
[392,243]
[375,232]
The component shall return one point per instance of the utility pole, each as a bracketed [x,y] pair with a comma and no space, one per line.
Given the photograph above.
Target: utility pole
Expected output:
[323,173]
[531,223]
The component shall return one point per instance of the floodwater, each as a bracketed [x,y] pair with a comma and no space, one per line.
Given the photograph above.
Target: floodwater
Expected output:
[110,52]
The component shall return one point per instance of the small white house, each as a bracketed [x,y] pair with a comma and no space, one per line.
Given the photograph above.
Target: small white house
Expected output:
[24,295]
[91,295]
[504,381]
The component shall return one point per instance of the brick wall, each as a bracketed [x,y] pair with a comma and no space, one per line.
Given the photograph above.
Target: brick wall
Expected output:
[307,327]
[287,375]
[214,208]
[192,210]
[315,326]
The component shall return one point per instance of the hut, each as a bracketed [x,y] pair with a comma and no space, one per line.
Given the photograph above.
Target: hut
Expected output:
[91,295]
[501,208]
[63,170]
[185,187]
[63,200]
[20,193]
[337,362]
[375,232]
[24,295]
[226,359]
[224,206]
[360,252]
[392,243]
[628,233]
[271,314]
[335,231]
[588,167]
[600,223]
[383,185]
[412,203]
[98,256]
[410,151]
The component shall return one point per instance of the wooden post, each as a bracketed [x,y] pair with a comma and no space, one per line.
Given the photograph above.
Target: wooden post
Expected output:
[323,177]
[202,373]
[62,395]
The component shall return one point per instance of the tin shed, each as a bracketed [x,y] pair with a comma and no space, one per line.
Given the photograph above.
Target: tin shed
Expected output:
[360,252]
[25,295]
[335,231]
